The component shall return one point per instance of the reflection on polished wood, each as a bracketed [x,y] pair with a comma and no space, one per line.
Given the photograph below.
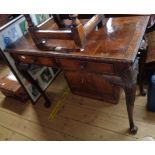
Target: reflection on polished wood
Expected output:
[109,60]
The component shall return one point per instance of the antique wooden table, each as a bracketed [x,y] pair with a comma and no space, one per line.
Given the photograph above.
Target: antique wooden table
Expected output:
[109,60]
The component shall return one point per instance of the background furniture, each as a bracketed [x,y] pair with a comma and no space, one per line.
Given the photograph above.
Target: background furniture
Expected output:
[10,87]
[147,60]
[76,30]
[151,93]
[148,69]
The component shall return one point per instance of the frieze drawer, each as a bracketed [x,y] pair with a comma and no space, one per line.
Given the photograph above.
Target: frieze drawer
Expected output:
[37,60]
[97,67]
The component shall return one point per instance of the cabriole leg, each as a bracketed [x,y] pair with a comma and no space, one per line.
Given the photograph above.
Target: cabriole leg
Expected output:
[130,99]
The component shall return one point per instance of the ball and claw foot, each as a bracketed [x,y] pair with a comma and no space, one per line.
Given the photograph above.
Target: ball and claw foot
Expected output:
[134,130]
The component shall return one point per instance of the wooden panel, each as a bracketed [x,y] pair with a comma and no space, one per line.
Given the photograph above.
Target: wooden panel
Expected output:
[91,85]
[37,60]
[102,86]
[5,18]
[97,67]
[54,34]
[46,61]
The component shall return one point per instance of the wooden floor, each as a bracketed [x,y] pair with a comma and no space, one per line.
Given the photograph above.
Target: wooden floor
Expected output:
[79,118]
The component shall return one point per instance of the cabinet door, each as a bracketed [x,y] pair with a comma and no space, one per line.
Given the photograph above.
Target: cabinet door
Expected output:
[101,86]
[76,80]
[90,84]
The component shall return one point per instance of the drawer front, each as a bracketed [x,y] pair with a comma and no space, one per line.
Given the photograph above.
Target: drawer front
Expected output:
[37,60]
[97,67]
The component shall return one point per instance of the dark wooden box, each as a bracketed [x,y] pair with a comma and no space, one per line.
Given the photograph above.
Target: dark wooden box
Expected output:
[10,87]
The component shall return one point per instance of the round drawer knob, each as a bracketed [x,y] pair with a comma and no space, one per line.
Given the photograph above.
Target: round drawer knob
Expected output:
[83,65]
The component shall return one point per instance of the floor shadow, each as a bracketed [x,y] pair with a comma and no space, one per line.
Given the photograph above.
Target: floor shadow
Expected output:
[63,126]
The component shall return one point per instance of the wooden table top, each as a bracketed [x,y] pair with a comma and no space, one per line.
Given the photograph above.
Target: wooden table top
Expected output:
[118,40]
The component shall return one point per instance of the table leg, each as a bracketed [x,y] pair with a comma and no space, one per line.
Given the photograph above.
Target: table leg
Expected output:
[130,99]
[127,80]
